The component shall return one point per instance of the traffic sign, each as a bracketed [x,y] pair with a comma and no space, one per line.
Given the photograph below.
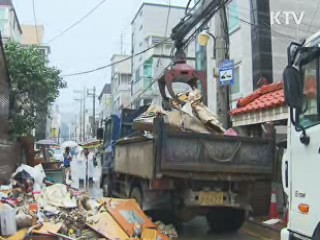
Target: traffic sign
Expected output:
[226,73]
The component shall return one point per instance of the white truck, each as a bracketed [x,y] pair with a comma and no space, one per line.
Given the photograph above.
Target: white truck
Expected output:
[301,162]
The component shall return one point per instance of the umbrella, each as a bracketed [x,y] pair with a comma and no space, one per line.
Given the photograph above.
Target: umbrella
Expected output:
[47,142]
[70,144]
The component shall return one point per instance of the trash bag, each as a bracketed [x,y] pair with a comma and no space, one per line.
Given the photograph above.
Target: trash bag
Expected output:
[22,176]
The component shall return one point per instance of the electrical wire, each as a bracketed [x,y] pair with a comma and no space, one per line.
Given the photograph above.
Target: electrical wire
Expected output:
[35,20]
[245,11]
[150,85]
[187,7]
[114,63]
[165,31]
[77,22]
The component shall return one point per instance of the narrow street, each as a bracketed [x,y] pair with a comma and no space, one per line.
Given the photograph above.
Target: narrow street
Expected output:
[197,229]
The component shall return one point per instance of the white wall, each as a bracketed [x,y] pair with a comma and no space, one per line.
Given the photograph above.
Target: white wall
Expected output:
[9,24]
[283,34]
[150,23]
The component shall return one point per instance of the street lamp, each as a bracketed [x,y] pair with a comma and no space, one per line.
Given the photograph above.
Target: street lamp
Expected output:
[203,39]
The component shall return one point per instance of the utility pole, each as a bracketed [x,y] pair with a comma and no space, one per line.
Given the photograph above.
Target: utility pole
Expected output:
[81,99]
[80,119]
[121,43]
[93,95]
[223,92]
[84,114]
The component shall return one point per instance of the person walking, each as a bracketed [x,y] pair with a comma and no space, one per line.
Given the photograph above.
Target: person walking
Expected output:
[67,158]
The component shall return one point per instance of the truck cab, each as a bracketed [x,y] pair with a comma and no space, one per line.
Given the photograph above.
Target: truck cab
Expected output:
[302,159]
[115,128]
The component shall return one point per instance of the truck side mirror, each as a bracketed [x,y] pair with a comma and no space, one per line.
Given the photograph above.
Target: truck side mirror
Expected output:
[100,133]
[293,91]
[293,88]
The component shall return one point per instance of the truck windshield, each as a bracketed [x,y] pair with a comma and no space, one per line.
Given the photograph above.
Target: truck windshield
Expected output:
[310,114]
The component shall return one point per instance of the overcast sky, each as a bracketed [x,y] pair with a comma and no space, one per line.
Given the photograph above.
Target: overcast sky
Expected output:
[89,44]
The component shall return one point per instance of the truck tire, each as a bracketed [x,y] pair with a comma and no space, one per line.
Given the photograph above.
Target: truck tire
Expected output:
[224,219]
[136,194]
[106,186]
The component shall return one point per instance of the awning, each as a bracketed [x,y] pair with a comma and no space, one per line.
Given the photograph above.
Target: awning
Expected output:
[266,104]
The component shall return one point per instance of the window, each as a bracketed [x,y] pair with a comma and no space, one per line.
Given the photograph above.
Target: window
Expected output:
[235,88]
[233,16]
[141,27]
[147,68]
[156,40]
[140,44]
[137,74]
[141,12]
[310,113]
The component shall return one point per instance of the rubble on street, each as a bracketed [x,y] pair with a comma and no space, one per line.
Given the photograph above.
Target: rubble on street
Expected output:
[30,210]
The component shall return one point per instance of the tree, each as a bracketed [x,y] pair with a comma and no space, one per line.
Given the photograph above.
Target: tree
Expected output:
[34,85]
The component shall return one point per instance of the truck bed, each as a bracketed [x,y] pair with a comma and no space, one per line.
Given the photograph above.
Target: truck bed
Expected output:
[185,155]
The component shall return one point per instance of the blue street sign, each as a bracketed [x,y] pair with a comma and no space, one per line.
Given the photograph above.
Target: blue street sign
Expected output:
[226,73]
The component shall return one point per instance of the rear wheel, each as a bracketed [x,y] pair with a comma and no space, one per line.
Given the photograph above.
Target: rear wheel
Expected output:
[225,219]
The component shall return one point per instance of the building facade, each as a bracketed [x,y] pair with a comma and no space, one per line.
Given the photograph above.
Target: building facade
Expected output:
[152,25]
[105,102]
[260,32]
[120,83]
[9,23]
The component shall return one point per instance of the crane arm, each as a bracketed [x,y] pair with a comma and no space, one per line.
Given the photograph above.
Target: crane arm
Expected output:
[198,17]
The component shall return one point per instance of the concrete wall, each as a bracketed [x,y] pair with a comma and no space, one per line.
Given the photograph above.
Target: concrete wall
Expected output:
[9,24]
[147,30]
[10,158]
[287,29]
[32,35]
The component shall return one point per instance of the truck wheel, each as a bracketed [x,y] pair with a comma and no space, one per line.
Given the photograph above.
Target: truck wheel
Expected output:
[224,219]
[106,186]
[137,195]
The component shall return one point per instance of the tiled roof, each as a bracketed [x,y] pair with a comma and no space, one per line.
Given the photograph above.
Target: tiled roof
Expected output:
[267,97]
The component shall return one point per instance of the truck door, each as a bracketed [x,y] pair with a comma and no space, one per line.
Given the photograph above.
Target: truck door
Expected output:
[305,158]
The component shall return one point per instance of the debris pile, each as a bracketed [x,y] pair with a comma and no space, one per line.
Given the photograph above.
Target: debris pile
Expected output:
[30,209]
[186,113]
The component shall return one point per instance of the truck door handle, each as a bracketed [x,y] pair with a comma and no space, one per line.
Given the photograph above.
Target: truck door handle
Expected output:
[286,174]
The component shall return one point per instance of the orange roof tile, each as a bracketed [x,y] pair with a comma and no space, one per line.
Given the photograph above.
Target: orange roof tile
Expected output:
[267,97]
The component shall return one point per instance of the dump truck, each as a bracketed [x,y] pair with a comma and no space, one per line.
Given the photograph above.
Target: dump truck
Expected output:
[186,174]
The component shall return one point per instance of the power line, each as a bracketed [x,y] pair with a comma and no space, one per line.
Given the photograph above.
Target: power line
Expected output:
[35,20]
[150,85]
[166,30]
[77,22]
[187,7]
[245,10]
[114,63]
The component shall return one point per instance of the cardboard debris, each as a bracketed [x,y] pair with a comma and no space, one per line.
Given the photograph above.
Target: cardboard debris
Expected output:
[107,226]
[272,221]
[59,212]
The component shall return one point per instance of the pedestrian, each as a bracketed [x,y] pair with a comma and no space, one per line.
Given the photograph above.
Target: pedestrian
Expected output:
[67,158]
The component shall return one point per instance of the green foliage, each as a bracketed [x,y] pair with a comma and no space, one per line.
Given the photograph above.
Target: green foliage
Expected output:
[34,85]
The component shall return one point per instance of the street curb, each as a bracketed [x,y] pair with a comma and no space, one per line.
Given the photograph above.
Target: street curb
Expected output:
[264,226]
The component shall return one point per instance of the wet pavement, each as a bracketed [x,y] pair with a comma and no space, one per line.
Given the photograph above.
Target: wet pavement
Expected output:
[198,229]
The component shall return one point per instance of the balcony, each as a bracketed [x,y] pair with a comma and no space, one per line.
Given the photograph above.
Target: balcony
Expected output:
[142,84]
